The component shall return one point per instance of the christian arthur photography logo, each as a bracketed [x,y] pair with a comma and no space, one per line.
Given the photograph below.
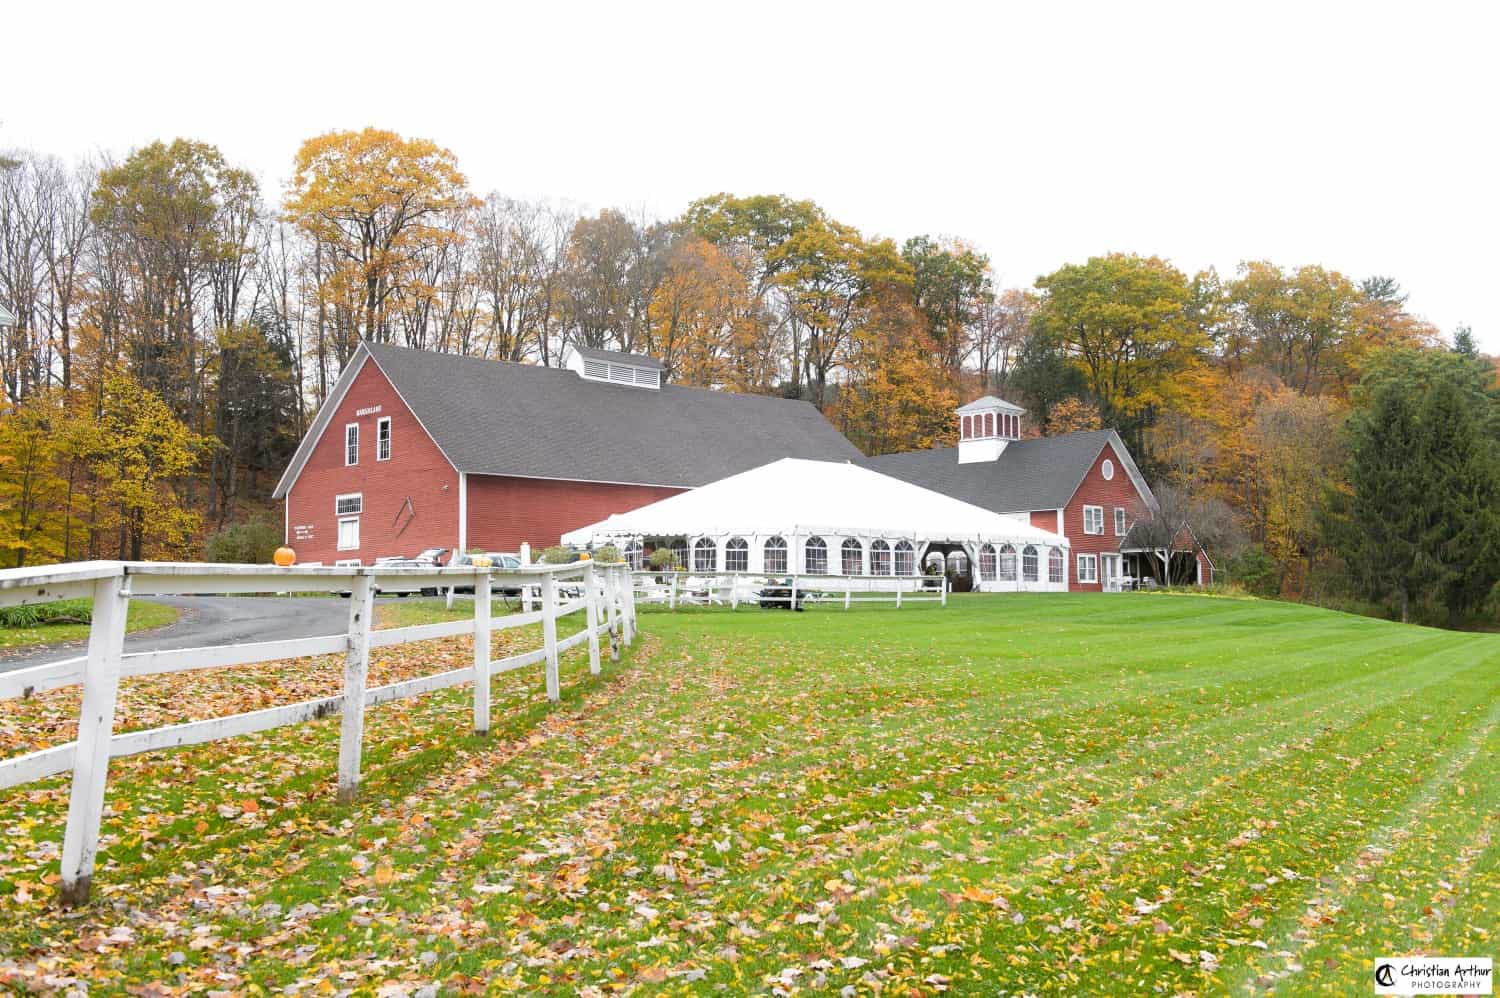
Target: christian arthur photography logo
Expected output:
[1428,975]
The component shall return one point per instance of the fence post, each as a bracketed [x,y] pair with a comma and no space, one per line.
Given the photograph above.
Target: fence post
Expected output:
[900,585]
[549,634]
[96,722]
[356,670]
[734,592]
[591,613]
[628,609]
[612,610]
[792,599]
[482,652]
[848,590]
[672,599]
[943,590]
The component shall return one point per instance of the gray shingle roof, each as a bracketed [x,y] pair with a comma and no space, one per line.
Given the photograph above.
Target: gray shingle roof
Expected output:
[1032,474]
[636,359]
[494,418]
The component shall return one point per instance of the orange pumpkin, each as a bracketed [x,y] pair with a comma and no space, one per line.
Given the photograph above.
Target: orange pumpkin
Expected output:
[482,561]
[284,556]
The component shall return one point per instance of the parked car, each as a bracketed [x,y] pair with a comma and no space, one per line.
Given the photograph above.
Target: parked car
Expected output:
[778,596]
[497,559]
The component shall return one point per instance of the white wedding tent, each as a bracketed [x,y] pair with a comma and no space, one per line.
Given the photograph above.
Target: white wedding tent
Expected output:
[805,517]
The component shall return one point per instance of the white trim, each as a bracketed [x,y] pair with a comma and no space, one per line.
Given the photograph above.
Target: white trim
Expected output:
[1107,470]
[339,533]
[463,512]
[347,427]
[349,495]
[384,422]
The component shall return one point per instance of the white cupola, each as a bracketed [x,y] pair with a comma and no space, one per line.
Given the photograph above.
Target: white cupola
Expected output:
[985,427]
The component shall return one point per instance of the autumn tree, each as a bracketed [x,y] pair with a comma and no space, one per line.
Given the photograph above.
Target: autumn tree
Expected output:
[376,202]
[952,290]
[1124,322]
[33,490]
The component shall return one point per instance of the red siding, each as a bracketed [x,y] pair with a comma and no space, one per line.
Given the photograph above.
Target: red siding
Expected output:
[1095,491]
[1044,519]
[503,512]
[416,470]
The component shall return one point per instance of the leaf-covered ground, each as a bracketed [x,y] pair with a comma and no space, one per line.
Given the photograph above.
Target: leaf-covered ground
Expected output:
[1017,794]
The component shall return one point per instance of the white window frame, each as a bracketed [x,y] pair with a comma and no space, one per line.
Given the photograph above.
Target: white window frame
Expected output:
[1088,568]
[1107,469]
[383,438]
[1096,513]
[1062,566]
[765,554]
[1119,521]
[351,450]
[341,522]
[349,512]
[737,549]
[908,549]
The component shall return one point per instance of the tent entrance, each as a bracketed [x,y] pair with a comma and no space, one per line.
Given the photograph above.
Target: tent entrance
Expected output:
[953,559]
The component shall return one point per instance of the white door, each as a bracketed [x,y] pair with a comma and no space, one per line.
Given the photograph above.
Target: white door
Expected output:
[1110,572]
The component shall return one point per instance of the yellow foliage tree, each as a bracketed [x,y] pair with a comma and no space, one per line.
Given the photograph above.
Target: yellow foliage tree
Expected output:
[378,203]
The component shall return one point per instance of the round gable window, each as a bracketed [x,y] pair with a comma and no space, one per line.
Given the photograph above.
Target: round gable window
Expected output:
[1107,469]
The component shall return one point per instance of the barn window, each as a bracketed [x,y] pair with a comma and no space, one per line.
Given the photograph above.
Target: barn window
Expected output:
[383,439]
[1088,568]
[705,555]
[986,563]
[1055,565]
[880,558]
[633,555]
[348,533]
[737,555]
[1093,519]
[1119,521]
[906,558]
[815,556]
[1107,469]
[775,553]
[1007,564]
[1028,564]
[351,443]
[349,505]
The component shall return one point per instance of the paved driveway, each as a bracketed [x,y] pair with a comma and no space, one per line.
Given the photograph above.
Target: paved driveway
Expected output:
[215,620]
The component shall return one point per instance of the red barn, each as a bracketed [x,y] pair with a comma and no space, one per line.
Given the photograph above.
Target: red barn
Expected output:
[415,450]
[1084,486]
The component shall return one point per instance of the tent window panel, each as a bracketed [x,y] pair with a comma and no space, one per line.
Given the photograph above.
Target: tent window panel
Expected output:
[987,563]
[880,558]
[1007,564]
[1055,564]
[633,555]
[737,555]
[906,559]
[1029,564]
[679,553]
[815,556]
[853,558]
[775,553]
[705,555]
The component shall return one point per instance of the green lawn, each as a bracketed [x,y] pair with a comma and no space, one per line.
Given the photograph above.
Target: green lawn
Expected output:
[1016,794]
[143,615]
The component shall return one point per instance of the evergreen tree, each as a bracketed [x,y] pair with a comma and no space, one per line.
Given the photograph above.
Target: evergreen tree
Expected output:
[1461,501]
[1377,527]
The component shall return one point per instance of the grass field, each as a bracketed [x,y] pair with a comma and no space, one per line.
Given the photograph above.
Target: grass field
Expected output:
[143,616]
[1018,794]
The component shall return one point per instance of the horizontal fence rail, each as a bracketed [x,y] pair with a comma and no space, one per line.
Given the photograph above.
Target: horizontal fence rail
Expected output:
[603,592]
[725,588]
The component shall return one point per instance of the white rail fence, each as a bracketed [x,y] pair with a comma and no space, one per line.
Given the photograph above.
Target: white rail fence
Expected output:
[603,592]
[685,588]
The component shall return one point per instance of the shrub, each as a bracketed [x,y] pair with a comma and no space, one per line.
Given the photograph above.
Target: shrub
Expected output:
[558,555]
[663,559]
[608,553]
[1254,571]
[68,611]
[249,543]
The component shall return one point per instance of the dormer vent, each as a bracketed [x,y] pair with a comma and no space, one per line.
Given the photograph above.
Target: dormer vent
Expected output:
[612,367]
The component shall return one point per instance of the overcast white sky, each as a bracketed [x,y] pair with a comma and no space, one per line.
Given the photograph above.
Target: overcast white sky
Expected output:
[1360,136]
